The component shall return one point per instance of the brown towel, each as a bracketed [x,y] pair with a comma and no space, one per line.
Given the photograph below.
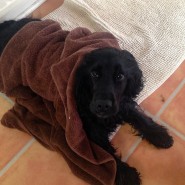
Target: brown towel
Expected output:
[37,67]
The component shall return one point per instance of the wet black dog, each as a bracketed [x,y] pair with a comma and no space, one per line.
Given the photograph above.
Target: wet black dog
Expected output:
[107,82]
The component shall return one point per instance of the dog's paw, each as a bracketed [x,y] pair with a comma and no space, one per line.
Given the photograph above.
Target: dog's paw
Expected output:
[127,175]
[159,137]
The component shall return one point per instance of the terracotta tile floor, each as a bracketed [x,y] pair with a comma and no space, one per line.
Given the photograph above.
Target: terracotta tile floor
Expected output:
[24,161]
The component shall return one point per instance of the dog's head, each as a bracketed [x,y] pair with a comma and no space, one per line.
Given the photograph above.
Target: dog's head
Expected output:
[105,78]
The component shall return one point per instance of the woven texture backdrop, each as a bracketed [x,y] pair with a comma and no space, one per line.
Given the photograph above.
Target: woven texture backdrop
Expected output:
[154,31]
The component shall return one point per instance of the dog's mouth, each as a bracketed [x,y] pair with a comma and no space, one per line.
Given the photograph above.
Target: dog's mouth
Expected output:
[103,109]
[103,115]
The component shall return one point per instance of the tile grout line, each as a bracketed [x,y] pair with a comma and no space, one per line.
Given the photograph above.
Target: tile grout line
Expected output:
[172,96]
[16,157]
[131,150]
[157,118]
[176,132]
[6,98]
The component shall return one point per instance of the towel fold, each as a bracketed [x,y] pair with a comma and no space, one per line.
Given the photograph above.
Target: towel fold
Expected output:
[37,68]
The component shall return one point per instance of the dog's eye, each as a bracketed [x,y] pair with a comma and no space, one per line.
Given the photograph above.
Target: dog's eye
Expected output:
[95,74]
[119,77]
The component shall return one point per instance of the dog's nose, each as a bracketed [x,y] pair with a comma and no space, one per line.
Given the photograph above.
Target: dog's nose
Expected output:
[103,106]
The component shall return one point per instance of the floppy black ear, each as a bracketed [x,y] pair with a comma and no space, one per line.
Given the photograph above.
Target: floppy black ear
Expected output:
[82,86]
[134,76]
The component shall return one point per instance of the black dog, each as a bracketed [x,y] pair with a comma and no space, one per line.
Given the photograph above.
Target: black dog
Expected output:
[107,82]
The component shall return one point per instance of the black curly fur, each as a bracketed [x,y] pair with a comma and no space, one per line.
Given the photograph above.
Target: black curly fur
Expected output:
[98,129]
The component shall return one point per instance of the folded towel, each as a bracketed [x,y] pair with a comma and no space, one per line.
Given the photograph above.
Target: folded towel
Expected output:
[37,68]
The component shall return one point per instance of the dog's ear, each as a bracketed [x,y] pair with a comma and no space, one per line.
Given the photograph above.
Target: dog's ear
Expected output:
[82,85]
[134,76]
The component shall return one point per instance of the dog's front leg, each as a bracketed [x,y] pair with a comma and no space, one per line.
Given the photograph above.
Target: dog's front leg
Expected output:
[125,175]
[147,128]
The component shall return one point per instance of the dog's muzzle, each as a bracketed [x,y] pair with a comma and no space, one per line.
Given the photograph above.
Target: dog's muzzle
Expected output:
[102,108]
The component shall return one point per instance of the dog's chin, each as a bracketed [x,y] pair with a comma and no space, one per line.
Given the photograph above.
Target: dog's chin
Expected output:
[104,116]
